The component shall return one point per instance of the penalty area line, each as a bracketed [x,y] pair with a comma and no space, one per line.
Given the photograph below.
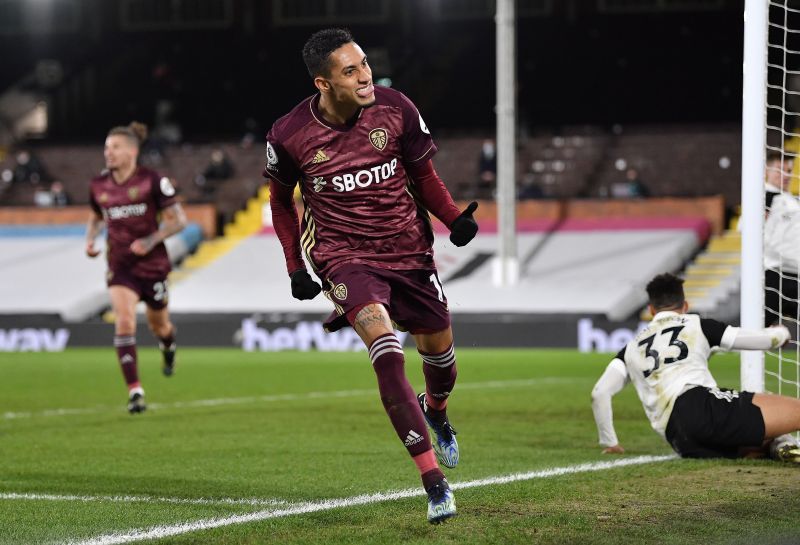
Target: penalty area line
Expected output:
[158,532]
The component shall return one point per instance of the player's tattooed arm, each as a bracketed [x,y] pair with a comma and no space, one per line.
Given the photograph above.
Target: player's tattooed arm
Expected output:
[93,227]
[173,220]
[372,317]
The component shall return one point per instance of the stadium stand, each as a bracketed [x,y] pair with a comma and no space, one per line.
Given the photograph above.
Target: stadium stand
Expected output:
[590,261]
[713,278]
[578,162]
[569,166]
[247,222]
[680,160]
[562,166]
[76,165]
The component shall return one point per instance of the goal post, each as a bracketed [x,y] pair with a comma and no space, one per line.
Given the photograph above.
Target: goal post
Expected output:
[754,131]
[771,124]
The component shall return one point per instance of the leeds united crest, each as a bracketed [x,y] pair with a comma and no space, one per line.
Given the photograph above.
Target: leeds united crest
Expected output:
[378,137]
[340,292]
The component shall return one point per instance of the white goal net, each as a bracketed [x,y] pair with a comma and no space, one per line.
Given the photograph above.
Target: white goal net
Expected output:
[781,227]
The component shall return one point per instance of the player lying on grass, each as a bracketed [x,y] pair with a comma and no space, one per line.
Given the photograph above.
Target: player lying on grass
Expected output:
[668,365]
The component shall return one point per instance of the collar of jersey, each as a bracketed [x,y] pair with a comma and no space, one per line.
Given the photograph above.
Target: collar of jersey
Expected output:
[126,182]
[313,105]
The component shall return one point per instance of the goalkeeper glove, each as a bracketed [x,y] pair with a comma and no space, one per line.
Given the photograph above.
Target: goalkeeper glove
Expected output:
[303,287]
[464,227]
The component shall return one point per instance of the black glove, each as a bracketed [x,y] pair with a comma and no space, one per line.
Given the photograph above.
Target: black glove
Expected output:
[303,287]
[464,227]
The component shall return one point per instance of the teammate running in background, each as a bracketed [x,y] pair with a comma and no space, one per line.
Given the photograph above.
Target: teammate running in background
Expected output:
[668,365]
[362,155]
[130,200]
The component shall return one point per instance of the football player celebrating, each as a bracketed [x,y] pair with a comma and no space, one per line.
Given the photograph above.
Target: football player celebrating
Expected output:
[362,156]
[131,201]
[668,365]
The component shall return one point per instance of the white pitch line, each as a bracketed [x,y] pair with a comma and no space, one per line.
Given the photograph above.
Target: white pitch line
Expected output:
[258,502]
[276,397]
[158,532]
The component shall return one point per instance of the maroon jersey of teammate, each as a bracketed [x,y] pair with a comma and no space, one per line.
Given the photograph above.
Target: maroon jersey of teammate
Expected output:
[359,201]
[130,211]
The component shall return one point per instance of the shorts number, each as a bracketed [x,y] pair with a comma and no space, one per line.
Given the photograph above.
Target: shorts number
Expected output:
[436,284]
[649,352]
[160,289]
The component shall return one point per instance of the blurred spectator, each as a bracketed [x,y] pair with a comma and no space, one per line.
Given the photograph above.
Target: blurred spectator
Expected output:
[55,196]
[6,177]
[219,168]
[29,169]
[530,189]
[59,194]
[153,152]
[781,242]
[632,188]
[487,170]
[636,186]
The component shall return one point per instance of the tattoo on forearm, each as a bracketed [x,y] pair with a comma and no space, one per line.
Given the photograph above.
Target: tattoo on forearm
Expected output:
[371,316]
[174,220]
[169,228]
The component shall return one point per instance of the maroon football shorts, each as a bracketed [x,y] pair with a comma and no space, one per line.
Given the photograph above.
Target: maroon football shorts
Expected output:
[153,291]
[414,298]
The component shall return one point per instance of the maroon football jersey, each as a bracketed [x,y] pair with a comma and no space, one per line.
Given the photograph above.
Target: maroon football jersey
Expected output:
[358,204]
[130,210]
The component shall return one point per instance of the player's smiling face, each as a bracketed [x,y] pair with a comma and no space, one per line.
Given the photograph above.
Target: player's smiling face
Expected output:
[119,152]
[350,77]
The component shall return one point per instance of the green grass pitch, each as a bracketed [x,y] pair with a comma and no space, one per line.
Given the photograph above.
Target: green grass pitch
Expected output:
[281,429]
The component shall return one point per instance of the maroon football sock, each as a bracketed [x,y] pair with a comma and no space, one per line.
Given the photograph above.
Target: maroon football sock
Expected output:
[431,478]
[126,354]
[398,398]
[440,377]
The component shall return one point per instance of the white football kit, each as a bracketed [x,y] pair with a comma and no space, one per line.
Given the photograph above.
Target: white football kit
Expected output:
[665,360]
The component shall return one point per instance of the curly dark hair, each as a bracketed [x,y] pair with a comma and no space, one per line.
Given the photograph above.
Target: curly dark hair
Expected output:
[318,49]
[665,291]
